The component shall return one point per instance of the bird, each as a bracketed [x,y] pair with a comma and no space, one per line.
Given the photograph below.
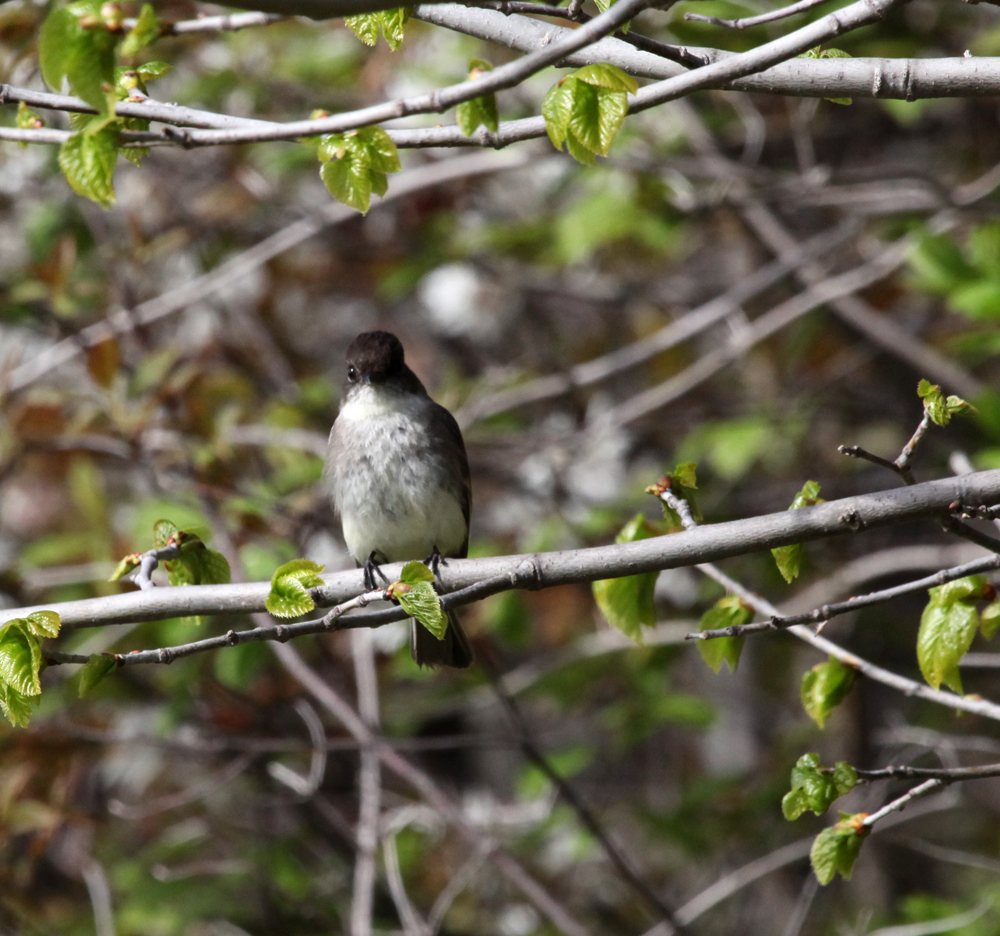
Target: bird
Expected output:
[398,475]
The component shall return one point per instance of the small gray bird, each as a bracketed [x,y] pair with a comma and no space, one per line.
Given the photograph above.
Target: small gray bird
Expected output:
[399,477]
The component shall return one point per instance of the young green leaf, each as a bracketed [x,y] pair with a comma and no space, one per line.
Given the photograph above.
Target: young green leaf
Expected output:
[789,558]
[94,670]
[355,165]
[726,612]
[162,531]
[824,687]
[43,623]
[289,596]
[586,110]
[125,566]
[481,110]
[146,29]
[366,26]
[947,629]
[989,619]
[814,787]
[414,572]
[627,602]
[16,706]
[75,43]
[941,408]
[604,5]
[836,849]
[87,159]
[20,658]
[420,601]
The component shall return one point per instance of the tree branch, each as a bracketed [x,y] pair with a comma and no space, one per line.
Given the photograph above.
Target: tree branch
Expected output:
[545,570]
[828,611]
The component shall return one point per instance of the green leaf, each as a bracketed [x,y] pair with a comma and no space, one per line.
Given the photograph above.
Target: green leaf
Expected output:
[74,43]
[824,687]
[726,612]
[685,474]
[480,111]
[355,164]
[557,108]
[602,75]
[349,182]
[947,629]
[366,26]
[15,705]
[392,25]
[55,45]
[43,623]
[989,619]
[20,658]
[941,408]
[125,566]
[146,29]
[94,670]
[163,530]
[836,849]
[289,596]
[814,787]
[414,572]
[627,602]
[87,159]
[420,601]
[150,71]
[789,558]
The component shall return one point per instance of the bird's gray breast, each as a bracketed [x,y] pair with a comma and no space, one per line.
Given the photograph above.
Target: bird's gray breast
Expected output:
[396,489]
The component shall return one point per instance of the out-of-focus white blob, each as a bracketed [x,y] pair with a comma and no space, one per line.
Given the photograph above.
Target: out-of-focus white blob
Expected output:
[462,302]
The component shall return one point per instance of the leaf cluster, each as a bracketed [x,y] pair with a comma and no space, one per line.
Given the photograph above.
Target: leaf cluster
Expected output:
[815,787]
[948,626]
[21,663]
[366,26]
[80,44]
[355,165]
[586,110]
[940,408]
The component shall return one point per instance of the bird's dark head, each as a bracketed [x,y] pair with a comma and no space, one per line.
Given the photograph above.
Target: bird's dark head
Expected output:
[377,358]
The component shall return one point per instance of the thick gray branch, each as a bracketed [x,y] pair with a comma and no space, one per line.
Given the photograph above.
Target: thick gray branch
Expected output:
[907,79]
[704,544]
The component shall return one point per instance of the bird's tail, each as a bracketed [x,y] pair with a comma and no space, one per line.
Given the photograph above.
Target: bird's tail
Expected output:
[452,650]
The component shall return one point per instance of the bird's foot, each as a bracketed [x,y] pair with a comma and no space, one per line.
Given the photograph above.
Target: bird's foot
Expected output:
[371,569]
[435,560]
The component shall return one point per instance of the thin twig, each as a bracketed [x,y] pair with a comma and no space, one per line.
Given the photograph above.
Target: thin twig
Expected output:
[749,21]
[900,803]
[828,611]
[949,774]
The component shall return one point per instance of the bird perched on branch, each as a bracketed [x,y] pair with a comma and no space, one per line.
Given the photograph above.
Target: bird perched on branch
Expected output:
[399,477]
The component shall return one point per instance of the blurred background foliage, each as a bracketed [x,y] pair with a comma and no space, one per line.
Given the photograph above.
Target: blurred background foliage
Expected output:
[168,779]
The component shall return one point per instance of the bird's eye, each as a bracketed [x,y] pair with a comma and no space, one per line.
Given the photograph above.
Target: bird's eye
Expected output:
[352,373]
